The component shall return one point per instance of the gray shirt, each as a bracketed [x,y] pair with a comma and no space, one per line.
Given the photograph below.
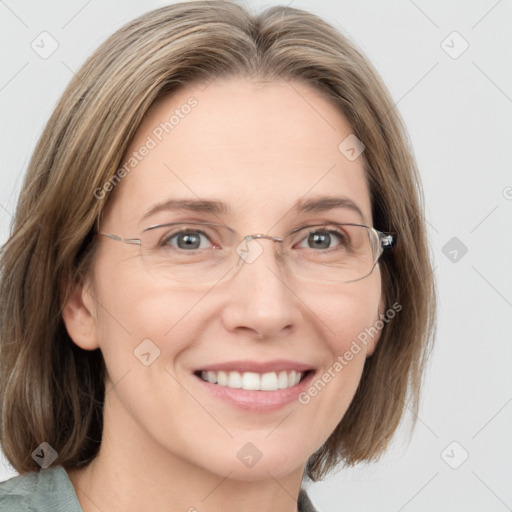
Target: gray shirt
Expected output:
[51,490]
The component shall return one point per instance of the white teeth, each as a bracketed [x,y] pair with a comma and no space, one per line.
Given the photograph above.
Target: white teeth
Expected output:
[253,381]
[268,381]
[234,380]
[209,377]
[222,378]
[282,380]
[250,381]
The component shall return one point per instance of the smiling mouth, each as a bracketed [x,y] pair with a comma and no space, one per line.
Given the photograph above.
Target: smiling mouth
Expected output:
[252,381]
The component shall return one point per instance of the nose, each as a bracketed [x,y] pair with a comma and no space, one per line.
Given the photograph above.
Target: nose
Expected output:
[260,299]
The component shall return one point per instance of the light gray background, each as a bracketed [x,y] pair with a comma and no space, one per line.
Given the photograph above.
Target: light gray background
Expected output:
[458,112]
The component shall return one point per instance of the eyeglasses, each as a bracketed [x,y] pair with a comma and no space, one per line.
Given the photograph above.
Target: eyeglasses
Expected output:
[202,252]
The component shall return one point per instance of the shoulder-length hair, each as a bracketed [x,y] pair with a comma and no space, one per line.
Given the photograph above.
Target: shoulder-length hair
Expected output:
[53,391]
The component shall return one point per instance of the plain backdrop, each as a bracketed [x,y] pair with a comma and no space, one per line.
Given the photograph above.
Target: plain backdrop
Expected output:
[448,66]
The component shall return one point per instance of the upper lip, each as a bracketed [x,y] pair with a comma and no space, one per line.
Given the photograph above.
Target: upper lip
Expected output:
[257,367]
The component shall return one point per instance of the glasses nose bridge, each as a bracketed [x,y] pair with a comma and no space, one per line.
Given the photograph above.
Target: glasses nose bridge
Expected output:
[262,236]
[248,238]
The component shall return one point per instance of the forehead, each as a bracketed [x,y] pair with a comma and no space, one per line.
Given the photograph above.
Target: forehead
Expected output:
[258,147]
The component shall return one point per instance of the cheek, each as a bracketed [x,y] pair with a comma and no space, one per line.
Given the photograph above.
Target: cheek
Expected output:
[144,330]
[137,311]
[345,320]
[349,313]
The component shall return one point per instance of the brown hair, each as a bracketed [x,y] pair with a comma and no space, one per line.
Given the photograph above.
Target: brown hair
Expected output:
[53,391]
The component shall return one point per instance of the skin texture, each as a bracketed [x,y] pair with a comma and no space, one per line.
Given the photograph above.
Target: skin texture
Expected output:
[168,444]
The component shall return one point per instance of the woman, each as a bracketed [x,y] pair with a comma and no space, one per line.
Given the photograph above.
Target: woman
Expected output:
[218,281]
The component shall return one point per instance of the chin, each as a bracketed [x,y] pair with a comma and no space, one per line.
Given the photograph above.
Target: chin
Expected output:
[244,468]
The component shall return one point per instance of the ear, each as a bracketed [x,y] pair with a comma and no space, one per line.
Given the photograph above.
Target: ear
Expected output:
[79,316]
[372,342]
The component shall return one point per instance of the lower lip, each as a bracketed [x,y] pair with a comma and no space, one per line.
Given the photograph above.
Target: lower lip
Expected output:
[257,400]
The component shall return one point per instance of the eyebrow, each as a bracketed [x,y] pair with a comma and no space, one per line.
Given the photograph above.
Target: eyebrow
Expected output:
[193,205]
[325,203]
[313,205]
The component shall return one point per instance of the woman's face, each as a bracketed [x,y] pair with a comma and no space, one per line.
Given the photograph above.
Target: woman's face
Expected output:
[259,149]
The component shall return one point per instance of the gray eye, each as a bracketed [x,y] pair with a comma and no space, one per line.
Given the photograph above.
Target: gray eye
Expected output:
[323,239]
[187,240]
[319,240]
